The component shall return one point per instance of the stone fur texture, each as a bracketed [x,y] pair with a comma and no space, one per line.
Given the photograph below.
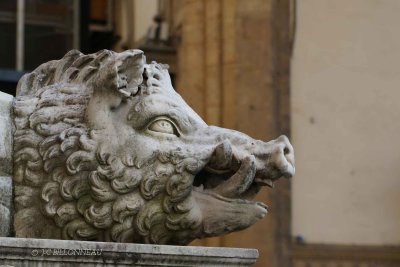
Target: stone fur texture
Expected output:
[106,150]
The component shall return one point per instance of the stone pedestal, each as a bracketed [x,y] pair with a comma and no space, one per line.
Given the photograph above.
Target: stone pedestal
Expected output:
[66,253]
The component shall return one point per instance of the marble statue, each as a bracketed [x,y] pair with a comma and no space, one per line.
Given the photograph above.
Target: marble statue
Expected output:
[106,150]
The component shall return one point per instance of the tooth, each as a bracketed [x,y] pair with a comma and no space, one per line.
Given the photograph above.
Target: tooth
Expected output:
[222,156]
[240,181]
[267,182]
[262,205]
[199,188]
[124,92]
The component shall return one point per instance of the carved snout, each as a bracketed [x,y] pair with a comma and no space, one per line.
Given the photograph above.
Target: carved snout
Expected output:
[237,168]
[284,157]
[276,160]
[230,155]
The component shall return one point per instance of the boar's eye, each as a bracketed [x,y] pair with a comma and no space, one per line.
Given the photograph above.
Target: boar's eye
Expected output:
[163,126]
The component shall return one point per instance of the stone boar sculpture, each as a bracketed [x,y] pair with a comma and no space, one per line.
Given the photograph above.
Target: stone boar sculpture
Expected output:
[106,150]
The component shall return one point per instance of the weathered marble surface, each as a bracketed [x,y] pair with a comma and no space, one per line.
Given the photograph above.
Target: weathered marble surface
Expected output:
[56,253]
[5,133]
[6,129]
[105,149]
[5,205]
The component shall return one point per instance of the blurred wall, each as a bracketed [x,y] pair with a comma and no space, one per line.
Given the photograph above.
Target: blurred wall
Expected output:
[229,59]
[345,92]
[144,14]
[132,21]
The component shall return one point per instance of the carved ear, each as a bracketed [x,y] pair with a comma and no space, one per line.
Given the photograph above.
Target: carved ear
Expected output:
[122,74]
[130,68]
[118,79]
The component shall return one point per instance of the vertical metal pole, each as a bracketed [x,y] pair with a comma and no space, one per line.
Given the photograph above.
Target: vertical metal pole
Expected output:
[20,35]
[76,25]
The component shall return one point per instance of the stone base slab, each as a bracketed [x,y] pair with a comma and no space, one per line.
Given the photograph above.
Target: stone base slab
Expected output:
[67,253]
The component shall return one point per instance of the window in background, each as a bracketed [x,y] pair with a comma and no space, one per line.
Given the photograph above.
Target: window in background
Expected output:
[33,32]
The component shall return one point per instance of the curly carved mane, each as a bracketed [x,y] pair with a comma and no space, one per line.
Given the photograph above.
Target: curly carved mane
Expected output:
[70,184]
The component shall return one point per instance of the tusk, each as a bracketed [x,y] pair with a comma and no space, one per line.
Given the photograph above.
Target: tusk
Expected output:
[240,181]
[221,158]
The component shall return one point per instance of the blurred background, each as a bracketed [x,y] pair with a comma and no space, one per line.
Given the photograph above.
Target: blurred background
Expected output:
[324,72]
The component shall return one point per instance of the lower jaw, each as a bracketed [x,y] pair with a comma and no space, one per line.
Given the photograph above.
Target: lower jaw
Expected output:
[221,215]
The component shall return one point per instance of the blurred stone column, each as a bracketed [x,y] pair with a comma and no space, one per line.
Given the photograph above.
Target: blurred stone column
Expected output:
[232,72]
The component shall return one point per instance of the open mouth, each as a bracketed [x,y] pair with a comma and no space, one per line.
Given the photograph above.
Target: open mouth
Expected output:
[229,177]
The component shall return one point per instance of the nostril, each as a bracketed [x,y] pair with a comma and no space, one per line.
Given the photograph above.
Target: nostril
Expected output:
[286,151]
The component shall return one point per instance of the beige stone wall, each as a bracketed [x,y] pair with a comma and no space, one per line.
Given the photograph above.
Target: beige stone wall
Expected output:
[346,122]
